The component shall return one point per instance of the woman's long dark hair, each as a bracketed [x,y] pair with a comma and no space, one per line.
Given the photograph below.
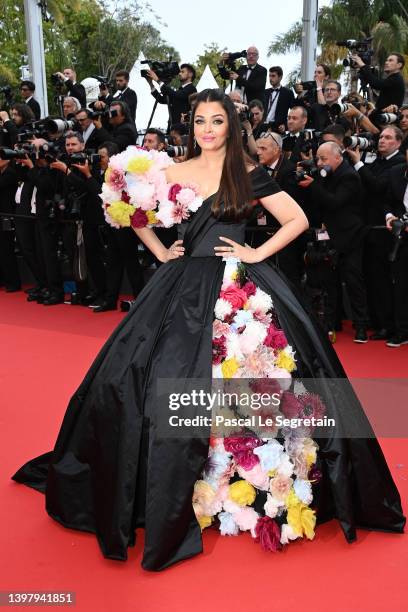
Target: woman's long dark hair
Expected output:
[234,194]
[24,111]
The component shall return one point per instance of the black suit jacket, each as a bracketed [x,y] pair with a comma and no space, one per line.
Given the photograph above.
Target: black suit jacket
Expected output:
[397,184]
[35,107]
[177,99]
[321,116]
[339,200]
[286,100]
[95,140]
[129,96]
[123,135]
[392,88]
[77,91]
[255,86]
[375,179]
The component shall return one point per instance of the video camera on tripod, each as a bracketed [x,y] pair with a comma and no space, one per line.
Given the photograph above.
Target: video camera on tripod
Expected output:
[166,71]
[363,48]
[7,93]
[225,67]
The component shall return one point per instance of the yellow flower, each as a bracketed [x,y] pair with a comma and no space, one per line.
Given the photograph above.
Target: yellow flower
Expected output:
[120,212]
[151,217]
[229,367]
[204,521]
[272,473]
[139,165]
[292,499]
[242,493]
[234,275]
[310,459]
[302,519]
[285,361]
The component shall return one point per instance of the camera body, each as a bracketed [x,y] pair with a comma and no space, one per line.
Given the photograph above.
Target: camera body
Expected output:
[83,157]
[229,65]
[361,47]
[365,141]
[166,71]
[309,168]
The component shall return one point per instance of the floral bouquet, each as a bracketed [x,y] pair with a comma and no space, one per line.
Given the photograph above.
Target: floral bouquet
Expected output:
[136,194]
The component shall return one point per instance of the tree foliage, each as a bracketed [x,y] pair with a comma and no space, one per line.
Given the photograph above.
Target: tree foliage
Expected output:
[211,56]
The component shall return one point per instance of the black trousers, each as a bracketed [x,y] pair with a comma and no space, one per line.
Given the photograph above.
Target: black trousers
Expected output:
[28,237]
[378,278]
[8,260]
[94,249]
[122,254]
[399,271]
[350,267]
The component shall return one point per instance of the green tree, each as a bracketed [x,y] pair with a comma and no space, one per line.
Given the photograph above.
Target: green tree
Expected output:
[211,56]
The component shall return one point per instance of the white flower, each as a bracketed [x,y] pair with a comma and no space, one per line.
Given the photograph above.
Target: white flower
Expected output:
[218,463]
[243,317]
[233,347]
[165,213]
[109,195]
[217,371]
[272,506]
[161,159]
[303,490]
[227,524]
[195,204]
[270,455]
[285,467]
[222,308]
[142,195]
[260,301]
[287,534]
[253,335]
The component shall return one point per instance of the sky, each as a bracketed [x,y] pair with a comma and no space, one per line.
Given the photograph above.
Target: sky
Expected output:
[234,24]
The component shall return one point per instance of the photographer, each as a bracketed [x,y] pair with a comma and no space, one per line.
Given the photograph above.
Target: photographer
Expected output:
[322,115]
[295,138]
[403,126]
[251,78]
[122,129]
[396,216]
[92,138]
[70,107]
[311,92]
[177,99]
[74,89]
[154,140]
[21,114]
[392,88]
[8,261]
[27,89]
[338,199]
[378,244]
[123,93]
[278,100]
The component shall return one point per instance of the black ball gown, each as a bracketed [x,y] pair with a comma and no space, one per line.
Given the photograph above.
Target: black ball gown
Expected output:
[111,472]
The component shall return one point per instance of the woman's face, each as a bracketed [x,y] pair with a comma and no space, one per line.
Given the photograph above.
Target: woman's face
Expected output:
[256,115]
[16,117]
[211,126]
[319,73]
[403,122]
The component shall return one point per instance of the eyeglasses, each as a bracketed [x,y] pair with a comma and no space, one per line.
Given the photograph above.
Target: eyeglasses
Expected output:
[269,135]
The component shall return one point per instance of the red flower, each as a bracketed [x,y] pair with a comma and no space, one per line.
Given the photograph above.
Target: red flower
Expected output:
[290,406]
[242,448]
[173,191]
[234,295]
[219,350]
[249,288]
[268,534]
[139,218]
[275,338]
[311,406]
[125,197]
[265,385]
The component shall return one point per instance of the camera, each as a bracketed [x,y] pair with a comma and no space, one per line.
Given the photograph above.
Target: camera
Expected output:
[52,206]
[385,118]
[361,47]
[6,91]
[310,169]
[341,107]
[83,157]
[364,141]
[176,151]
[308,85]
[58,126]
[22,153]
[398,227]
[50,151]
[100,113]
[224,68]
[56,79]
[311,139]
[103,81]
[166,71]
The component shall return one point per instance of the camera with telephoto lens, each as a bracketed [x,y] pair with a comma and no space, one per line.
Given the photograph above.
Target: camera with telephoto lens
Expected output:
[176,151]
[82,157]
[166,71]
[385,118]
[398,227]
[308,85]
[311,141]
[58,126]
[25,150]
[99,113]
[361,47]
[309,168]
[365,141]
[104,82]
[50,151]
[229,65]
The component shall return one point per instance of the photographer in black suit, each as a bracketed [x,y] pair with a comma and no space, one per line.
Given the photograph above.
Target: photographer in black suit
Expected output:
[278,100]
[251,78]
[27,89]
[122,130]
[378,244]
[177,99]
[396,206]
[123,93]
[92,137]
[8,262]
[339,200]
[322,115]
[74,89]
[392,88]
[15,123]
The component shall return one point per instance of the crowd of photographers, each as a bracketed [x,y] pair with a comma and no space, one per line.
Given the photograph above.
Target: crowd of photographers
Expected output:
[342,158]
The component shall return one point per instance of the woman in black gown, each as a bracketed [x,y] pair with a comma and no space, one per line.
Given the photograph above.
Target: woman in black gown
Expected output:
[111,471]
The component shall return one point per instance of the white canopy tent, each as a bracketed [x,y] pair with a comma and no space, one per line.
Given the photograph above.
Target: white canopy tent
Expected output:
[207,80]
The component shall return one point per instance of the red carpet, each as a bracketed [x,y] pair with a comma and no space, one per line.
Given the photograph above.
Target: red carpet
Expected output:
[44,354]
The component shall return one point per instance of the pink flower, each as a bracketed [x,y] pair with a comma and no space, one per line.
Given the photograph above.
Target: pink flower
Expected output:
[234,295]
[276,338]
[268,534]
[280,486]
[241,448]
[139,218]
[246,518]
[265,385]
[290,405]
[312,406]
[116,179]
[186,196]
[220,329]
[219,350]
[173,191]
[249,288]
[180,212]
[256,476]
